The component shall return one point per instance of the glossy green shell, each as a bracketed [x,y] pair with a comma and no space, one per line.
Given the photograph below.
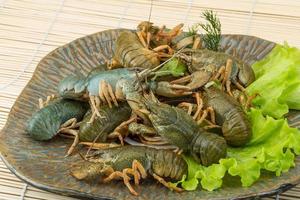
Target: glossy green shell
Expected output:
[180,129]
[102,126]
[44,124]
[235,124]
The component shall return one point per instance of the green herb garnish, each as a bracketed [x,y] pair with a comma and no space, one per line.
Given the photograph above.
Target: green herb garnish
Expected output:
[212,29]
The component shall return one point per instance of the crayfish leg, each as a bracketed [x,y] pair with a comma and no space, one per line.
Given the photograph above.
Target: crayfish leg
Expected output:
[123,175]
[94,145]
[68,129]
[163,47]
[94,108]
[75,141]
[166,89]
[219,74]
[249,100]
[197,43]
[193,108]
[136,175]
[239,86]
[104,91]
[71,123]
[74,144]
[188,106]
[106,94]
[178,151]
[120,129]
[226,81]
[199,102]
[208,111]
[167,184]
[137,166]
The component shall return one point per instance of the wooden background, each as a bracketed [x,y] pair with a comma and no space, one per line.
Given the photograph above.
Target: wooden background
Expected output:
[29,29]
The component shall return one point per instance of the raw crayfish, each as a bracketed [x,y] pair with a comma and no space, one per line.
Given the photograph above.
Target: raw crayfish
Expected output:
[180,129]
[137,162]
[45,123]
[129,52]
[105,87]
[218,64]
[236,127]
[112,117]
[100,129]
[134,49]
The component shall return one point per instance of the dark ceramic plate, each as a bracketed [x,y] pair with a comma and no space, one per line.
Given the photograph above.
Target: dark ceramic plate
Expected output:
[42,164]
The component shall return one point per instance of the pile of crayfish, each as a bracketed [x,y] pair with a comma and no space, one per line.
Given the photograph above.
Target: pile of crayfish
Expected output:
[163,95]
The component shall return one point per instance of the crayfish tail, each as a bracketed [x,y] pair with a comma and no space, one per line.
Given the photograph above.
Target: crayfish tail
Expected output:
[209,148]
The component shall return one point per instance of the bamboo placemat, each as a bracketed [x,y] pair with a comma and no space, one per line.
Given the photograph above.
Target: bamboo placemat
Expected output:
[29,29]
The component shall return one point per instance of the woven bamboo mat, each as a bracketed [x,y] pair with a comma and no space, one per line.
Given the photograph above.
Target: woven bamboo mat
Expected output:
[29,29]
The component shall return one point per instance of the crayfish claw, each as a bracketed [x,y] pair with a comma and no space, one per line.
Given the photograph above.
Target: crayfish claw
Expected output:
[195,80]
[164,88]
[182,80]
[199,79]
[180,87]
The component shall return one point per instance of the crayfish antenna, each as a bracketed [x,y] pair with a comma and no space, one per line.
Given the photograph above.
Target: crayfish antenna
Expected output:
[81,156]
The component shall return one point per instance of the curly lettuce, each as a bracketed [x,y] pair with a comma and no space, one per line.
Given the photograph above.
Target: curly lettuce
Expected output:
[277,81]
[278,85]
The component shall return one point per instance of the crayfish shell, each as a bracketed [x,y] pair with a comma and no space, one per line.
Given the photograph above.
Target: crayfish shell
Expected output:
[129,52]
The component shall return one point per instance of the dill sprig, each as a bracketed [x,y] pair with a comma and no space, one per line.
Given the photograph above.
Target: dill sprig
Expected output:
[193,30]
[213,30]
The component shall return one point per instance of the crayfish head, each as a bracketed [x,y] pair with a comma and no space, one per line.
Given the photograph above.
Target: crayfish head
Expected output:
[166,89]
[160,113]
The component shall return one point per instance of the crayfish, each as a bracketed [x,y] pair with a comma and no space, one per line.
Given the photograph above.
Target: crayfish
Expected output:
[132,162]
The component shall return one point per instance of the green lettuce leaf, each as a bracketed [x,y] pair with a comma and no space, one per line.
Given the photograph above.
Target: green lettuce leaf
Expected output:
[277,81]
[174,67]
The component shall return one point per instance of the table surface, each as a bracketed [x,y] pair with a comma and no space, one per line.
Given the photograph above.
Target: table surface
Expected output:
[29,29]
